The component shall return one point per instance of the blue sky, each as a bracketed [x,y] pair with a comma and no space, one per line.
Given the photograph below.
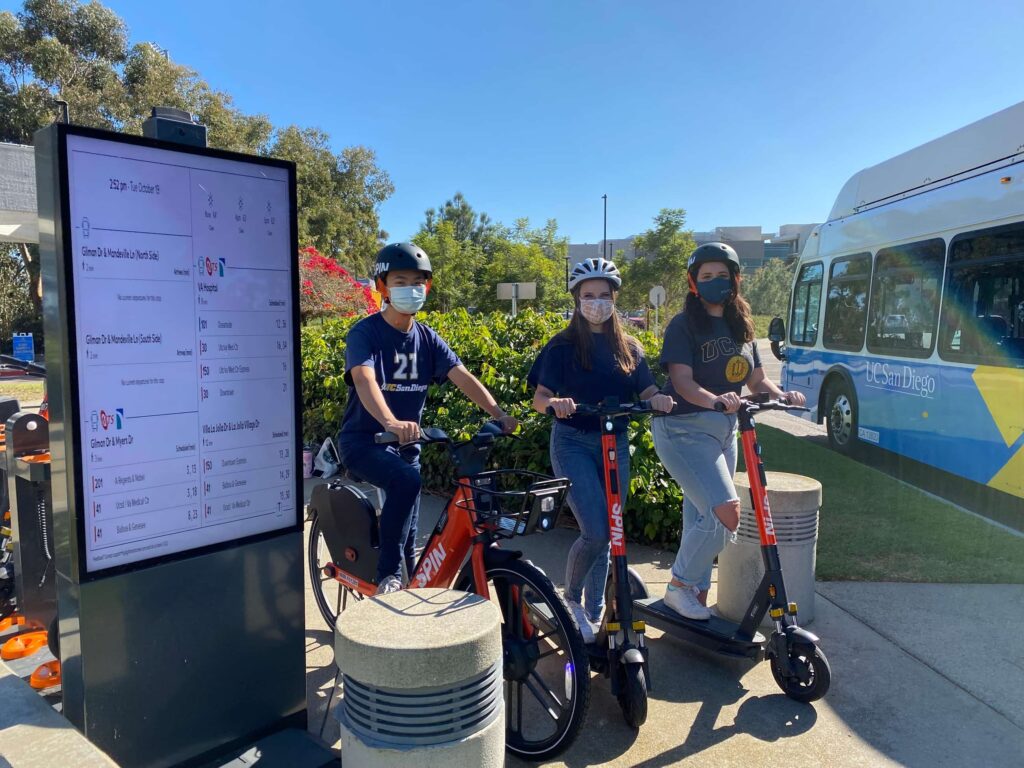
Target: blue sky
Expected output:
[741,113]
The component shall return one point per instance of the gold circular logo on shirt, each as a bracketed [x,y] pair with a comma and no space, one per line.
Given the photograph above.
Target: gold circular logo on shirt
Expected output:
[737,369]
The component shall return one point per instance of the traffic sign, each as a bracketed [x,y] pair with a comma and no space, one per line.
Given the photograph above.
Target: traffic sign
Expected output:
[657,296]
[24,347]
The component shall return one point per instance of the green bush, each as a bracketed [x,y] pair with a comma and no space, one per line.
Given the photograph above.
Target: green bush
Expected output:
[499,350]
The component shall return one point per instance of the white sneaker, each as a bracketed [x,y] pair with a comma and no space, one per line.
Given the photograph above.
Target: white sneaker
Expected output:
[683,600]
[389,585]
[586,628]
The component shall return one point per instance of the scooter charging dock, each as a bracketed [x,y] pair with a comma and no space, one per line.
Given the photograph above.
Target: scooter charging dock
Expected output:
[716,634]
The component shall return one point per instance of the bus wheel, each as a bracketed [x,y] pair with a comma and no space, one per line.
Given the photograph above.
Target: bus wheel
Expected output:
[841,418]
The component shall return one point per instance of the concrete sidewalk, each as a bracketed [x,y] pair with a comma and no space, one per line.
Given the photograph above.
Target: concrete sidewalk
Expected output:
[922,675]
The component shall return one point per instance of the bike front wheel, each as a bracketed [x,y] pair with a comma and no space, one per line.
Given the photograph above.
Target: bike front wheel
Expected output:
[547,675]
[332,597]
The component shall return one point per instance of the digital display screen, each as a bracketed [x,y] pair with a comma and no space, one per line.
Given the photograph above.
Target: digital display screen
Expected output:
[182,269]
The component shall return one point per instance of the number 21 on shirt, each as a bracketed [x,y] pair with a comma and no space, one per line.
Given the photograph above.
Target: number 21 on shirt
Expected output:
[406,366]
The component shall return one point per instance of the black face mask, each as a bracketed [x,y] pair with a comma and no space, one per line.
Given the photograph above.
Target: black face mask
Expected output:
[715,291]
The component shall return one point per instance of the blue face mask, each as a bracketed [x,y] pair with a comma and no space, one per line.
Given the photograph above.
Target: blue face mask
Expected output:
[715,291]
[408,299]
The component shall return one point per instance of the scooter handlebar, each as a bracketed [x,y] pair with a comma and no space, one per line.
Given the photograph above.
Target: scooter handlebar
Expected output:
[765,403]
[619,409]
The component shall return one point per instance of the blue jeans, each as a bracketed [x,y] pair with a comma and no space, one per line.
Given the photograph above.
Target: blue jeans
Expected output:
[397,473]
[576,454]
[699,451]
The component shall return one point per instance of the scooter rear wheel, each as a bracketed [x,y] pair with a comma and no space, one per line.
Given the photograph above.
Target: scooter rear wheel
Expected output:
[633,695]
[811,664]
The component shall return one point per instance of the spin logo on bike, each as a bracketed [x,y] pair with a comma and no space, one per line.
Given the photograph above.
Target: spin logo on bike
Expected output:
[431,564]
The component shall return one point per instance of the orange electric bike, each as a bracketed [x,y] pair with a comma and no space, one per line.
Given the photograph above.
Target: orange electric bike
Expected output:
[545,665]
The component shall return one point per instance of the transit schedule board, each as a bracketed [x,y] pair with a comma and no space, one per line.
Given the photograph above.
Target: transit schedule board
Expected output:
[183,312]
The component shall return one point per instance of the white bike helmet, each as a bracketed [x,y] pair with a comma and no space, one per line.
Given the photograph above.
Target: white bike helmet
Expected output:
[588,269]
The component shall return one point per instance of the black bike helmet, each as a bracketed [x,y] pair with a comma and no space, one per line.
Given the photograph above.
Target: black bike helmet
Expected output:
[400,256]
[714,252]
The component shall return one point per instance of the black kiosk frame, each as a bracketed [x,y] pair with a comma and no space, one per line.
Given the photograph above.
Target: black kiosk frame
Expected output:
[173,659]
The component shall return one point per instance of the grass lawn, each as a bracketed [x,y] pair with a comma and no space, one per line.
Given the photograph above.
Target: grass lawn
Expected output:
[875,528]
[28,391]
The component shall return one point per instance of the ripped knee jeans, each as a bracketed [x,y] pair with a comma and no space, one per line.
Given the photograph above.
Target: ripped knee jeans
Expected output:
[699,451]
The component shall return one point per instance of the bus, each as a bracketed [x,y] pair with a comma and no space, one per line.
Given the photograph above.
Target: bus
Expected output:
[906,317]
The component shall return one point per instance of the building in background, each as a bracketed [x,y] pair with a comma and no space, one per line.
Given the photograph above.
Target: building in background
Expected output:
[754,247]
[580,251]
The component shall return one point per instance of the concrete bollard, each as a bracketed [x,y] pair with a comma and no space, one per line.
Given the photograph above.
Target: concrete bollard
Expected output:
[795,501]
[422,681]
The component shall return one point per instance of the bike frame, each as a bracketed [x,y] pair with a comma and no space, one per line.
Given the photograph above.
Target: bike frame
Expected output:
[455,535]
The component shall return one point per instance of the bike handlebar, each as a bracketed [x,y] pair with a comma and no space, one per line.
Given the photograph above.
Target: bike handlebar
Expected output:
[618,409]
[429,435]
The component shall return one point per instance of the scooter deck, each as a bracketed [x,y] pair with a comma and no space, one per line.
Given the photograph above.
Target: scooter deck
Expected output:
[716,634]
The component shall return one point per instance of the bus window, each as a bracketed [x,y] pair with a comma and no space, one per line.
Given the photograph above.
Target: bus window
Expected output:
[983,312]
[905,299]
[803,322]
[846,306]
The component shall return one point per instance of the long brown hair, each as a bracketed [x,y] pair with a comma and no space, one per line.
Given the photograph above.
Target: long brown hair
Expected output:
[736,313]
[625,348]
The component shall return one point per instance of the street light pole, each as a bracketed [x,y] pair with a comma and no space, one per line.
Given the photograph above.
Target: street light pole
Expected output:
[604,242]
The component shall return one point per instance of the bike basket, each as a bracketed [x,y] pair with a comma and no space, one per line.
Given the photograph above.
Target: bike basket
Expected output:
[514,502]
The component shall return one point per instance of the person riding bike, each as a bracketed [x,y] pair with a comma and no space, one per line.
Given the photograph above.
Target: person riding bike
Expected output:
[710,353]
[592,359]
[390,361]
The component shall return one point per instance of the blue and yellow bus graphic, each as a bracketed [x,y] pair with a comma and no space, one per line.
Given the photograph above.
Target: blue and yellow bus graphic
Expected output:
[966,420]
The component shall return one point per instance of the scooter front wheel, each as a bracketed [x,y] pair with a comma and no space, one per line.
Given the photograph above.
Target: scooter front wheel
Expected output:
[813,674]
[633,695]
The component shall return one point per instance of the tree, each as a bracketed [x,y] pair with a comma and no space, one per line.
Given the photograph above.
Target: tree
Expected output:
[662,253]
[471,254]
[339,195]
[457,267]
[523,262]
[79,53]
[467,224]
[767,289]
[17,313]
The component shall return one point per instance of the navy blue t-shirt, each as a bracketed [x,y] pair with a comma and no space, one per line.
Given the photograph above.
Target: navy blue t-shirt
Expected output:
[719,363]
[405,365]
[558,369]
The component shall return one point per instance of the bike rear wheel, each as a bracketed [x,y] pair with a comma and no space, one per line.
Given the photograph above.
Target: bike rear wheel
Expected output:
[547,675]
[332,597]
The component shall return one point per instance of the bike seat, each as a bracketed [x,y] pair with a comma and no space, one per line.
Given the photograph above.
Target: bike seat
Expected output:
[346,473]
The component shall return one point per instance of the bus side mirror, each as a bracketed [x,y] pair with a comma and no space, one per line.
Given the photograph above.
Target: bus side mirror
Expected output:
[777,337]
